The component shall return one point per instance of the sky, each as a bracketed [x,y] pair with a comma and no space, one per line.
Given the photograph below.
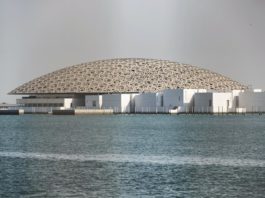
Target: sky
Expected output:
[38,37]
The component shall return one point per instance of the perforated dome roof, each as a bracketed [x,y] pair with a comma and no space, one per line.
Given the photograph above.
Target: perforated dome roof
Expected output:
[126,76]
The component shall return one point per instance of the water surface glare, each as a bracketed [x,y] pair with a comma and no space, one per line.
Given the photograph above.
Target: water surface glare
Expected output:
[162,160]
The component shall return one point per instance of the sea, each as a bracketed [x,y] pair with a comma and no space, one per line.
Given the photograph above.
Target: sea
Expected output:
[132,156]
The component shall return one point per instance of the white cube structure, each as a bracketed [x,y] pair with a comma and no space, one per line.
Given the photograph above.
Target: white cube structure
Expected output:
[120,103]
[93,101]
[213,102]
[181,100]
[167,101]
[146,103]
[252,101]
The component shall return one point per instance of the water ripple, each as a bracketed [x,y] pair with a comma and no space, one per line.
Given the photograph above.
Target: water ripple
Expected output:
[120,158]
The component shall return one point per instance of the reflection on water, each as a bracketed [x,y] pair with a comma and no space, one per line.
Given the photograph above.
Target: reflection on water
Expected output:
[162,160]
[132,156]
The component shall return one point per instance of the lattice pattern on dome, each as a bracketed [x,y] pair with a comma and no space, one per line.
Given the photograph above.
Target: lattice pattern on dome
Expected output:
[127,75]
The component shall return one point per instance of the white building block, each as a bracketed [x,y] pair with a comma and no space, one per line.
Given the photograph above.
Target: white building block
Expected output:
[181,100]
[252,101]
[93,101]
[212,102]
[146,103]
[120,103]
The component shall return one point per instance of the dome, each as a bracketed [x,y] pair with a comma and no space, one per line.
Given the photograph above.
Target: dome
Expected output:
[127,75]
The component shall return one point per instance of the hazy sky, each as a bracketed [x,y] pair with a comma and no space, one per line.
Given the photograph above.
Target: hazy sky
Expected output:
[37,37]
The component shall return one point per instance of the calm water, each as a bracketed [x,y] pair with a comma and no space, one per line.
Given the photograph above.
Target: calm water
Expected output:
[132,156]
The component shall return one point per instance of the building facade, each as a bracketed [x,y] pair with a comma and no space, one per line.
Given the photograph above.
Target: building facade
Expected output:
[137,85]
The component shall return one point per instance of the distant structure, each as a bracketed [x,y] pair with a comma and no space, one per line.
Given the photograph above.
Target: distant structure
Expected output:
[6,106]
[130,75]
[133,85]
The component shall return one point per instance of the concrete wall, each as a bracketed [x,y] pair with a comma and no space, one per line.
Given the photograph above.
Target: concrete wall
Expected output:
[173,98]
[180,99]
[68,103]
[146,103]
[78,101]
[252,101]
[222,102]
[235,100]
[120,103]
[92,100]
[188,99]
[125,103]
[213,102]
[160,108]
[92,111]
[203,102]
[111,101]
[132,103]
